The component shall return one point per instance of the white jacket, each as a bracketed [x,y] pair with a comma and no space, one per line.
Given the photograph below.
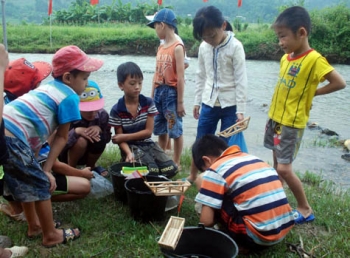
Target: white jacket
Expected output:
[221,74]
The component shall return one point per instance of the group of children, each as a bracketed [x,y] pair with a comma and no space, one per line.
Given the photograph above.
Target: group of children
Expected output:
[237,189]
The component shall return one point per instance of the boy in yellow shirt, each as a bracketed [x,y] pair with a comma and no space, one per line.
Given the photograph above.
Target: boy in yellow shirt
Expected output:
[301,70]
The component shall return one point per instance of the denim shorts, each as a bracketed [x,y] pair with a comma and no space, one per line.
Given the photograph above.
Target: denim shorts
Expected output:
[283,140]
[209,118]
[24,177]
[167,121]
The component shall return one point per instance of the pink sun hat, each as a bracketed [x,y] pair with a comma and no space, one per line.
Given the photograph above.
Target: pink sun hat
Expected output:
[72,57]
[91,99]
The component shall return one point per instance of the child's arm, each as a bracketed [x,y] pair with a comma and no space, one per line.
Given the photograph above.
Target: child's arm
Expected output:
[123,145]
[336,82]
[64,169]
[146,133]
[180,72]
[57,144]
[4,60]
[207,216]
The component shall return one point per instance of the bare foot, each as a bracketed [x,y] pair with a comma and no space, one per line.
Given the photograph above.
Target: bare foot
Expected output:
[61,236]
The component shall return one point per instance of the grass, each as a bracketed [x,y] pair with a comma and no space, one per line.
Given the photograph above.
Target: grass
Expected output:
[108,230]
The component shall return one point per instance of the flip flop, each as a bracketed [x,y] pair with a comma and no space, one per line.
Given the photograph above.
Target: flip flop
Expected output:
[68,235]
[99,170]
[300,219]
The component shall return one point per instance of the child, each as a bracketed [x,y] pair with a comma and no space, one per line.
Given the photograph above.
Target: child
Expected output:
[21,76]
[29,121]
[89,136]
[168,83]
[15,251]
[241,192]
[133,118]
[221,80]
[31,75]
[301,70]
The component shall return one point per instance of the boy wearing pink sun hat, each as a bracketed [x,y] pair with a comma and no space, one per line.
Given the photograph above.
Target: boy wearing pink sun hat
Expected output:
[89,136]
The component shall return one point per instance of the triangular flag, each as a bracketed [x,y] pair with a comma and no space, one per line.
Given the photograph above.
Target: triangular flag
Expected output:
[160,2]
[50,7]
[93,2]
[133,175]
[239,3]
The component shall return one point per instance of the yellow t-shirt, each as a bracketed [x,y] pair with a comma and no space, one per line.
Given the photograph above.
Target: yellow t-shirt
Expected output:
[296,87]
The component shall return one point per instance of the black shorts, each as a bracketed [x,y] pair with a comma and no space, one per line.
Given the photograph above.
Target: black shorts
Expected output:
[62,184]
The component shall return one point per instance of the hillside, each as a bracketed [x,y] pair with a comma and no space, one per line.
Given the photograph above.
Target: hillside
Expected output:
[35,11]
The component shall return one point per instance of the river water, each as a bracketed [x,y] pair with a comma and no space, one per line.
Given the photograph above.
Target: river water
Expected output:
[330,111]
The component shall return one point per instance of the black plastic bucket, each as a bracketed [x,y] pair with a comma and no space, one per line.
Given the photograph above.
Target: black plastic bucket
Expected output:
[118,180]
[143,204]
[203,243]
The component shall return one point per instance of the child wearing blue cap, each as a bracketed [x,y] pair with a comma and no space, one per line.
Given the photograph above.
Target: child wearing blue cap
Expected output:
[168,83]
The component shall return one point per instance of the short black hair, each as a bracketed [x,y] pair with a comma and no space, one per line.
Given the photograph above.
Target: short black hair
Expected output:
[74,72]
[206,17]
[128,68]
[208,145]
[294,18]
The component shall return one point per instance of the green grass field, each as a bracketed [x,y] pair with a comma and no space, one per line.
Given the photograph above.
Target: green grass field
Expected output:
[108,230]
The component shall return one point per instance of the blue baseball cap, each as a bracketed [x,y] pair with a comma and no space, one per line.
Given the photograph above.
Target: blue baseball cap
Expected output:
[165,15]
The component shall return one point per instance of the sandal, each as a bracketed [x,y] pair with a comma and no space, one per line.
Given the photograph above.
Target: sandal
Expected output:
[68,235]
[100,170]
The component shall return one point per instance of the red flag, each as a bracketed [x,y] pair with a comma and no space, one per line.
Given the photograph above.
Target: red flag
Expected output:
[205,1]
[93,2]
[50,7]
[182,198]
[160,2]
[239,3]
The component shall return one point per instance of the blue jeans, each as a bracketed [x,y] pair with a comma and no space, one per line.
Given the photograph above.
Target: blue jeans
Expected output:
[24,177]
[210,116]
[167,121]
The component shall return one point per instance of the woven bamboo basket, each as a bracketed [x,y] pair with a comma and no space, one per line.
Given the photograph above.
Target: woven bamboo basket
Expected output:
[168,188]
[236,128]
[172,233]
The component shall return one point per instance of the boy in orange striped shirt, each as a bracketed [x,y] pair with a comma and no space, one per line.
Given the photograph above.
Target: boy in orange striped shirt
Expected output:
[242,193]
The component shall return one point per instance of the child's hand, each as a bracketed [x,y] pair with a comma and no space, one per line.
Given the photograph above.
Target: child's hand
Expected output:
[118,138]
[240,117]
[130,157]
[4,58]
[52,180]
[181,110]
[196,112]
[87,173]
[89,134]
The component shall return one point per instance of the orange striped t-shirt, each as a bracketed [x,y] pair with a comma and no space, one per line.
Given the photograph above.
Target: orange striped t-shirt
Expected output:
[249,195]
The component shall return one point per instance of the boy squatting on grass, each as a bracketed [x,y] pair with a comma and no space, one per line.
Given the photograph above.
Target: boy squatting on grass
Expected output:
[168,83]
[21,76]
[301,70]
[15,251]
[242,193]
[133,119]
[29,121]
[88,137]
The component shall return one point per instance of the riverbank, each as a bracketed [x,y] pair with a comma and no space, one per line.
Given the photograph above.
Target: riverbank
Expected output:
[259,42]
